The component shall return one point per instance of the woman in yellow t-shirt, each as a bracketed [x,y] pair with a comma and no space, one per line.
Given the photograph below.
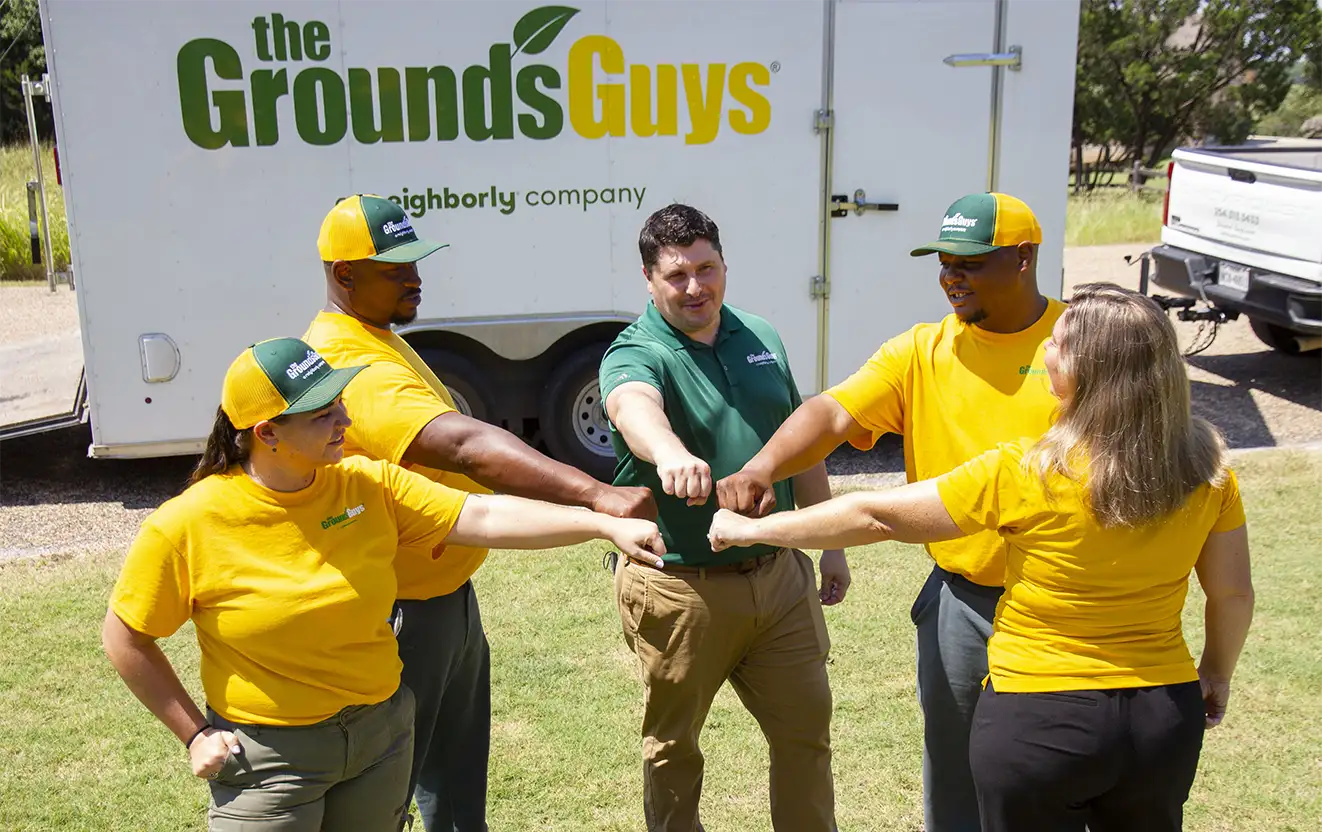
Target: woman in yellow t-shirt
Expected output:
[1093,711]
[283,554]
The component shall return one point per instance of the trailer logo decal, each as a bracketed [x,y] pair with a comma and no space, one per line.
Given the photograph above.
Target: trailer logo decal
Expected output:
[593,84]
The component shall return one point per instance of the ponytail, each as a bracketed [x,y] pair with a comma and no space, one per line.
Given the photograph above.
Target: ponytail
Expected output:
[226,446]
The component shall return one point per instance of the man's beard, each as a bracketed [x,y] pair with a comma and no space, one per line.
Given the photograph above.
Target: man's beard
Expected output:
[977,317]
[400,318]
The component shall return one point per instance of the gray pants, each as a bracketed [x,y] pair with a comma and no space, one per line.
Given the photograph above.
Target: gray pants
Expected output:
[447,665]
[953,617]
[343,774]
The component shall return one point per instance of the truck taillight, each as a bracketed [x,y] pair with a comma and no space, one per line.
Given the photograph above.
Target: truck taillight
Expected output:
[1166,200]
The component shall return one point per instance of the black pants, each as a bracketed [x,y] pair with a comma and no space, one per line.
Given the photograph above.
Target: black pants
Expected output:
[447,666]
[1117,760]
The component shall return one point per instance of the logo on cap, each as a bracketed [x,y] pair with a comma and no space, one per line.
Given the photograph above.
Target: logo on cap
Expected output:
[397,227]
[306,367]
[959,221]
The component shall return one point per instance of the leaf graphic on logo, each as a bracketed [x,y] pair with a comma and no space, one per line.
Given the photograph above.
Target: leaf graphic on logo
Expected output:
[538,28]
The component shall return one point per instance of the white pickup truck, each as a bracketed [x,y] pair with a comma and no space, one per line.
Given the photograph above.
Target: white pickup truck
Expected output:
[1242,231]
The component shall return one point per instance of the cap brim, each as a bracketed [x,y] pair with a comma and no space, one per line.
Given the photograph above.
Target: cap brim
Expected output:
[409,252]
[323,392]
[959,248]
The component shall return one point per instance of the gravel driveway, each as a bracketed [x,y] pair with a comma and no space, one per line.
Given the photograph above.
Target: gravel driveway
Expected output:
[55,501]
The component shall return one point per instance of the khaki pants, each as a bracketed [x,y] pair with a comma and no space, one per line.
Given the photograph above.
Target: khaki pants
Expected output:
[349,772]
[761,629]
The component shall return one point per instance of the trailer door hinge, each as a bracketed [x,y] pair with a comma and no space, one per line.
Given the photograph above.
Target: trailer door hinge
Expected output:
[822,120]
[818,288]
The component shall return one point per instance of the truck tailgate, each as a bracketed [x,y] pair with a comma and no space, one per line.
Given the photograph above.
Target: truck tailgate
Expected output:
[1257,208]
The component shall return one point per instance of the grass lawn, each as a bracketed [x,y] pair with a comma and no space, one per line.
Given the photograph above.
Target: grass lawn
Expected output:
[1112,216]
[15,243]
[77,752]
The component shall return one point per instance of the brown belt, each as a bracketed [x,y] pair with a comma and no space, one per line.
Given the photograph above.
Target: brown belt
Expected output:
[749,565]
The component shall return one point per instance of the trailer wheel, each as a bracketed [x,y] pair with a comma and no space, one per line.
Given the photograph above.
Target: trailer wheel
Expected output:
[465,382]
[573,416]
[1276,337]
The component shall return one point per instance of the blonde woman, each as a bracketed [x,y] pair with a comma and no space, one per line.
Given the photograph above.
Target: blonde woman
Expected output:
[1094,710]
[282,554]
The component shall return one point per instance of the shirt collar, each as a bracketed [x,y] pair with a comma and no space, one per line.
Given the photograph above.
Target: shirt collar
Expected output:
[658,326]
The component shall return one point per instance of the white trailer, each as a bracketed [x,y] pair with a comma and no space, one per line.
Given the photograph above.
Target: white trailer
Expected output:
[201,144]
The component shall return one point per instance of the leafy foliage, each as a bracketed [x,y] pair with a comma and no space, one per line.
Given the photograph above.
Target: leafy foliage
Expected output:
[1154,73]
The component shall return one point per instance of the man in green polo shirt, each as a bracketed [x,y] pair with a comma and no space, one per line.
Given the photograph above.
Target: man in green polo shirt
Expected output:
[694,388]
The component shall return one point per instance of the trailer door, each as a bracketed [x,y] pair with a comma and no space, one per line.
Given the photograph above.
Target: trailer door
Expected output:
[912,133]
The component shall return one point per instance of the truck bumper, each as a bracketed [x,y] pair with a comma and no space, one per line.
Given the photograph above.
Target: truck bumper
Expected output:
[1289,302]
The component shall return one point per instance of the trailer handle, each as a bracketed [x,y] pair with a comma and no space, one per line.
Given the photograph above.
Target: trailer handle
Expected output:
[841,204]
[1014,59]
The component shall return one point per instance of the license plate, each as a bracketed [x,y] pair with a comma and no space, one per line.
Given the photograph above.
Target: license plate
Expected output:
[1233,277]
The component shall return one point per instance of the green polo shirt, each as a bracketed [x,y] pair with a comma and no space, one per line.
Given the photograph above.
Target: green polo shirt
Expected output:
[724,402]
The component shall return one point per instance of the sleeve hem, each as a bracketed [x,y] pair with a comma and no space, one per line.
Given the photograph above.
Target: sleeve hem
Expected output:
[133,622]
[950,496]
[409,436]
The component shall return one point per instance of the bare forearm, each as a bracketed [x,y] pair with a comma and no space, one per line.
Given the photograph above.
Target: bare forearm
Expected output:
[1227,622]
[647,431]
[912,514]
[833,524]
[499,460]
[149,675]
[502,522]
[812,486]
[805,440]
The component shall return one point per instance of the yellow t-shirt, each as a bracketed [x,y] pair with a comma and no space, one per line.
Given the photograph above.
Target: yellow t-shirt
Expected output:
[290,593]
[954,391]
[1085,607]
[390,403]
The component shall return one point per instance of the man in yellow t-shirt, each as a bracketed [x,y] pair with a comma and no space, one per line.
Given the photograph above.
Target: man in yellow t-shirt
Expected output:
[402,413]
[953,390]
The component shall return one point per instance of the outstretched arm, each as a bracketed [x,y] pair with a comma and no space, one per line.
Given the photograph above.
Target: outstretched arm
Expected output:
[638,412]
[807,437]
[911,514]
[503,522]
[499,460]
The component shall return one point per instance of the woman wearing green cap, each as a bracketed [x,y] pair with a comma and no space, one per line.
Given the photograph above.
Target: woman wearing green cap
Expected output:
[282,554]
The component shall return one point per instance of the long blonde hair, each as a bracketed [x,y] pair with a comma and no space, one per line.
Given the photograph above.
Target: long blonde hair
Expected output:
[1126,430]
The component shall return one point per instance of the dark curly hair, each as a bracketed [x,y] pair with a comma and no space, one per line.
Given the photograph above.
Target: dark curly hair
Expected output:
[676,225]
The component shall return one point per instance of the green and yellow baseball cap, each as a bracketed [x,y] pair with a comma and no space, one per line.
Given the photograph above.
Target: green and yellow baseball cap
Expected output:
[370,227]
[279,377]
[979,223]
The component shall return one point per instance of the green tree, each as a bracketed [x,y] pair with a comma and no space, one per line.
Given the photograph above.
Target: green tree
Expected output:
[1153,73]
[20,35]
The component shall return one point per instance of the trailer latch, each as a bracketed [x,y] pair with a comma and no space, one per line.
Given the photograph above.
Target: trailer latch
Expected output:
[859,205]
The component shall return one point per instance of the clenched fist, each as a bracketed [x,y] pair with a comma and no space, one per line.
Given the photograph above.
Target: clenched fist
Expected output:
[686,477]
[626,501]
[746,493]
[730,529]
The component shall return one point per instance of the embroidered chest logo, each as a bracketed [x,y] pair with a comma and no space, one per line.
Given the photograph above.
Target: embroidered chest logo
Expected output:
[348,516]
[757,359]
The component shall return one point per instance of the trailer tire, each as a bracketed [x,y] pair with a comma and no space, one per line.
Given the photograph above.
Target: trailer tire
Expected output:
[467,384]
[573,417]
[1278,338]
